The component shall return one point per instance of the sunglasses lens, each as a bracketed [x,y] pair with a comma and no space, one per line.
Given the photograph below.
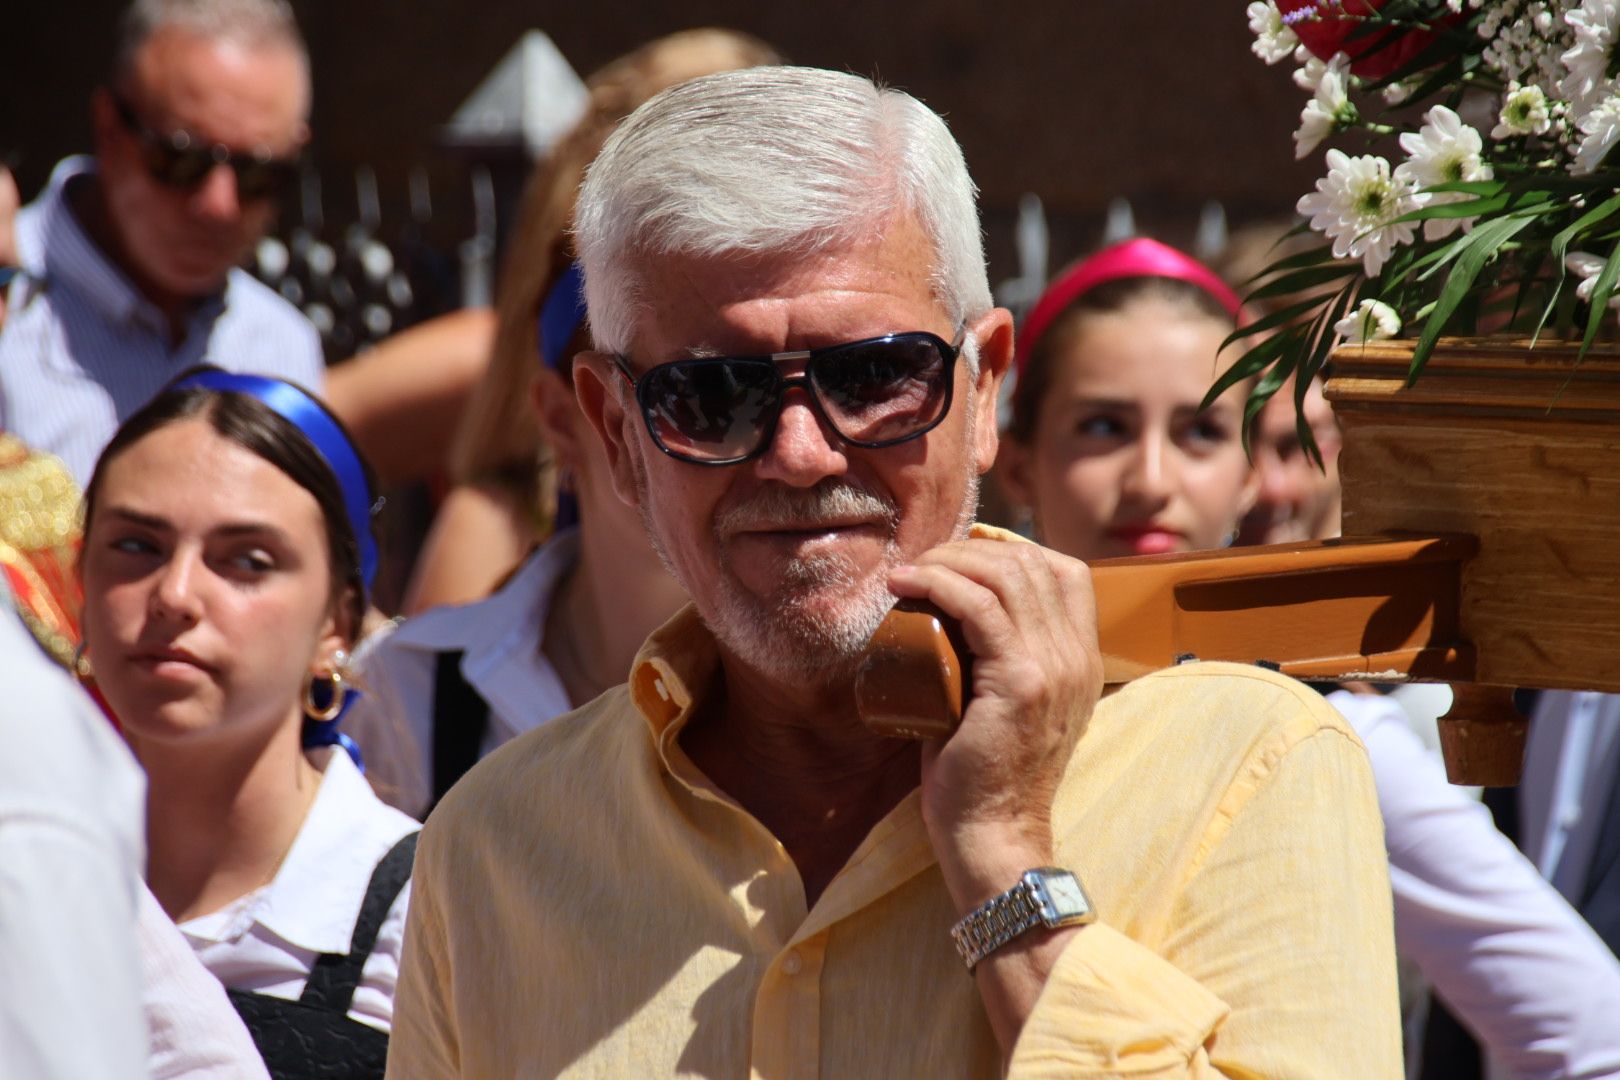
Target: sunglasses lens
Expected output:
[180,168]
[881,391]
[261,179]
[710,410]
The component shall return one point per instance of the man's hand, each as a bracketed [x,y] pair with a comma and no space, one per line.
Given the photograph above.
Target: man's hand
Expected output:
[1030,619]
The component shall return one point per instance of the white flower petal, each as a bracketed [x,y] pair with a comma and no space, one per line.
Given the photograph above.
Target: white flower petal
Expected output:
[1373,320]
[1600,131]
[1274,40]
[1356,205]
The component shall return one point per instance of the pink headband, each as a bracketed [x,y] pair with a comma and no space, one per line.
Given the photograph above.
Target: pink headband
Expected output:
[1133,258]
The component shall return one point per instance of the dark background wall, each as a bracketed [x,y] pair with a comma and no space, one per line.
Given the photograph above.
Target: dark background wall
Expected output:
[1161,102]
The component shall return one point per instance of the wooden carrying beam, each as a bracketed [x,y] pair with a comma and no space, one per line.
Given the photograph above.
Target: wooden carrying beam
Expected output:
[1381,608]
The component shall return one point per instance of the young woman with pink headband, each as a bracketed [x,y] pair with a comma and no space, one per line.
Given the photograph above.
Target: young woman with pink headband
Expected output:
[1108,447]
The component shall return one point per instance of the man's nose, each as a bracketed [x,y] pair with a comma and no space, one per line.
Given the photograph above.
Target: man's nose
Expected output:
[803,450]
[216,198]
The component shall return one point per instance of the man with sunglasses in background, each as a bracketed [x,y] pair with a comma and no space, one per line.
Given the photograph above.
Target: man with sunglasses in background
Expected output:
[131,259]
[717,869]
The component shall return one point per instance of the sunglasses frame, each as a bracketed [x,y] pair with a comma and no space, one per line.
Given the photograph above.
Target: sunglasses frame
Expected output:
[949,351]
[283,170]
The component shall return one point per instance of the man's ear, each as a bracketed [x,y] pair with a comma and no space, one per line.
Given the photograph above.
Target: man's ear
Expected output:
[994,332]
[595,376]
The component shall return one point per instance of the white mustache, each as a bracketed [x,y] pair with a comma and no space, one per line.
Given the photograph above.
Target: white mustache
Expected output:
[784,507]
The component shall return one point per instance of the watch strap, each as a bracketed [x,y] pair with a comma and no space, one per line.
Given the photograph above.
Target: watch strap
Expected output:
[994,923]
[1007,916]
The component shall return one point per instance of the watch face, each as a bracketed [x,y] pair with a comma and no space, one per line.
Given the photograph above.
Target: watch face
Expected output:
[1061,897]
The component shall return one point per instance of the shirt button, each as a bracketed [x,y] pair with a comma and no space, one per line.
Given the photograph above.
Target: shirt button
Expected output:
[791,963]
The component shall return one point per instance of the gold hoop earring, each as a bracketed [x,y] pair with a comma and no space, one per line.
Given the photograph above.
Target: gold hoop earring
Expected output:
[334,705]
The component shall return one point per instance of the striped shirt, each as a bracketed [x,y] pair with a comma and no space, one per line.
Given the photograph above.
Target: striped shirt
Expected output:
[82,349]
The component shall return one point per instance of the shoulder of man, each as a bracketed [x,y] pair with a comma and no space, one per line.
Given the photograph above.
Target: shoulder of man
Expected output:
[255,309]
[1244,700]
[1203,727]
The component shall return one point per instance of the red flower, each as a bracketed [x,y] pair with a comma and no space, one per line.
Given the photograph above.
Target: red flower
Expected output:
[1325,27]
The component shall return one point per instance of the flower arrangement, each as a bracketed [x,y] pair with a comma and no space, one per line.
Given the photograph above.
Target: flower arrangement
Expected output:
[1504,114]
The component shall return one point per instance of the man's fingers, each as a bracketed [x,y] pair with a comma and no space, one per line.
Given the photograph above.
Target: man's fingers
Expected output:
[1029,580]
[986,626]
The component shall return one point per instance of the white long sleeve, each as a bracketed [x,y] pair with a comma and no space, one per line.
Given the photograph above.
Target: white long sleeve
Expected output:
[1513,960]
[70,859]
[194,1030]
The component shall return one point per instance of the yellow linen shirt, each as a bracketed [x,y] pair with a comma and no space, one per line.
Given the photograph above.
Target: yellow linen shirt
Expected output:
[587,904]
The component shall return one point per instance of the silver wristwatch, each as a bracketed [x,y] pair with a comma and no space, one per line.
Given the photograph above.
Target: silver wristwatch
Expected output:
[1045,896]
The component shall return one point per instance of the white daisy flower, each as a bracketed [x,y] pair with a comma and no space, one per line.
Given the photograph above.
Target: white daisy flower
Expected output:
[1600,130]
[1308,76]
[1587,267]
[1356,205]
[1274,40]
[1373,320]
[1524,112]
[1328,110]
[1444,151]
[1595,24]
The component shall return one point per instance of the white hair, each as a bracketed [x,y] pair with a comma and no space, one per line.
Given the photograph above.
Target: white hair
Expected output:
[773,161]
[247,22]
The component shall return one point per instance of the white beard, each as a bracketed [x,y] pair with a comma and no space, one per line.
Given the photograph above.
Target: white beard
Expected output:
[814,629]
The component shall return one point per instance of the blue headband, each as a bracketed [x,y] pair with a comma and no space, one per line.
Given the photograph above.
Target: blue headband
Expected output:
[561,315]
[303,412]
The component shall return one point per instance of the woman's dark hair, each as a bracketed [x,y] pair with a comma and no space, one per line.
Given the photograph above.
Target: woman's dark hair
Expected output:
[1110,297]
[254,426]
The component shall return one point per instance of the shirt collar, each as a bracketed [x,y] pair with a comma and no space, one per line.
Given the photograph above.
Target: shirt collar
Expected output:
[315,899]
[53,246]
[489,629]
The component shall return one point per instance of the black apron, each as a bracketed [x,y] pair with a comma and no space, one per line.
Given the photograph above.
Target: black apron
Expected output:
[314,1038]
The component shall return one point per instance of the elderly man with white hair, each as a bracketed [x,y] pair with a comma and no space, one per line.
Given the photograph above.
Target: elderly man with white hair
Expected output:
[717,869]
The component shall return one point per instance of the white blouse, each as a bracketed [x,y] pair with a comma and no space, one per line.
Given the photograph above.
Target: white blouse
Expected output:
[502,638]
[268,940]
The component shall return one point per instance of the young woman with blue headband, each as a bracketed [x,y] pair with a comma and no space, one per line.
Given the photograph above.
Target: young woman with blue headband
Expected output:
[226,561]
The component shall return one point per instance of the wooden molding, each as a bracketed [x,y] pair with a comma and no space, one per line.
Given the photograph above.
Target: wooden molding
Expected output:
[1480,377]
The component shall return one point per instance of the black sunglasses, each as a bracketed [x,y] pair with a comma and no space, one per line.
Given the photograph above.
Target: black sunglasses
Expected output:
[181,161]
[873,393]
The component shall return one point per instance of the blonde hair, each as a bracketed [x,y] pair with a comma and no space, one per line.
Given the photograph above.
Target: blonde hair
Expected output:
[498,439]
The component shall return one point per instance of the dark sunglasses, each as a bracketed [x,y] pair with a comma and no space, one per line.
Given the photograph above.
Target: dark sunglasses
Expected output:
[8,274]
[874,393]
[180,161]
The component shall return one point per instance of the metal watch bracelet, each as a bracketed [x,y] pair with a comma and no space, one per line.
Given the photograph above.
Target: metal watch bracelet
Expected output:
[1028,904]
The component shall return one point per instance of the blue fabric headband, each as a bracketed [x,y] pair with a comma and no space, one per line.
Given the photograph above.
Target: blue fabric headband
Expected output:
[303,412]
[561,315]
